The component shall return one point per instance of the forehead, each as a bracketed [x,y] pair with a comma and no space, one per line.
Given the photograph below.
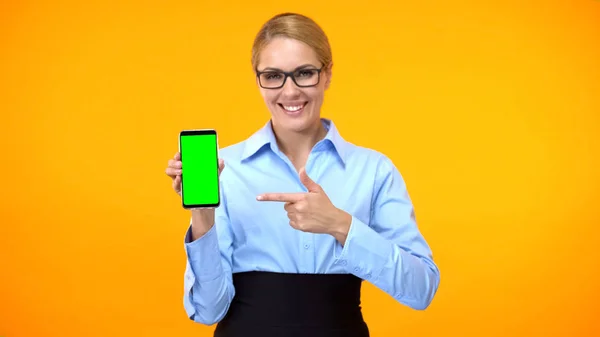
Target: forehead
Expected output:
[287,54]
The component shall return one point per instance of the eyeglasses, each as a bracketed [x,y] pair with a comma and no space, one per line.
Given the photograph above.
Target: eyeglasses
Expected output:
[272,79]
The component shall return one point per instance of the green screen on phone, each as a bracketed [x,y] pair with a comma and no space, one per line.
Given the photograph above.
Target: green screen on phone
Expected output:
[200,168]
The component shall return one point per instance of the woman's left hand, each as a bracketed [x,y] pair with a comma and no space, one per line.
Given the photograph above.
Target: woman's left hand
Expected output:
[312,211]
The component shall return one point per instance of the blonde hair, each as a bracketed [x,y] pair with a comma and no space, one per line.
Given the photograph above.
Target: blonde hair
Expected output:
[293,26]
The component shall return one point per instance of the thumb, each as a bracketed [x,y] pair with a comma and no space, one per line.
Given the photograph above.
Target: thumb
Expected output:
[307,182]
[221,165]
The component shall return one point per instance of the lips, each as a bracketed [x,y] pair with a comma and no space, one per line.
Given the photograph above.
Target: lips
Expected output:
[292,109]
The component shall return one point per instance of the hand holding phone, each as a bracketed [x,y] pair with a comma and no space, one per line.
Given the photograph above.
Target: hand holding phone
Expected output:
[200,168]
[174,171]
[210,150]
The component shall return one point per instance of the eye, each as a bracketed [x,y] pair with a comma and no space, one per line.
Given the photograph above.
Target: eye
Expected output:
[306,73]
[272,76]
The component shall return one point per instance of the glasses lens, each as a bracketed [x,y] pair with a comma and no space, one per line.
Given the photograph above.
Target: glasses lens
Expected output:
[306,77]
[271,79]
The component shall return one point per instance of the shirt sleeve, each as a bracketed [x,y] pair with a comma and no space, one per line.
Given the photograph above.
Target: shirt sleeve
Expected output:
[390,252]
[208,286]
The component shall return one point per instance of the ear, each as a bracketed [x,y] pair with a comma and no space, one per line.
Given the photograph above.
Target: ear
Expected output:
[328,73]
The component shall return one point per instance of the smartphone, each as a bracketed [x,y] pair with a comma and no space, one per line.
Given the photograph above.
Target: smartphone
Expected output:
[199,168]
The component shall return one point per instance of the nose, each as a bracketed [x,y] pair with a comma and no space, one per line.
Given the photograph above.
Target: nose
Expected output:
[290,89]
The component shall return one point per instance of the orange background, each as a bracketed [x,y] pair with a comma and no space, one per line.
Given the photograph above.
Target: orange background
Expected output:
[491,111]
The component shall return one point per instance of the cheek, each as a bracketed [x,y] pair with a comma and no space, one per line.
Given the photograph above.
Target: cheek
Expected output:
[268,96]
[316,95]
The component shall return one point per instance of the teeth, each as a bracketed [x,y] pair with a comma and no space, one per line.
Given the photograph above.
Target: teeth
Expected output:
[292,108]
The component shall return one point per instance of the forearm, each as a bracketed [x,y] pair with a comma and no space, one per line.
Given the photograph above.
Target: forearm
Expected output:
[207,301]
[208,284]
[202,221]
[410,279]
[341,227]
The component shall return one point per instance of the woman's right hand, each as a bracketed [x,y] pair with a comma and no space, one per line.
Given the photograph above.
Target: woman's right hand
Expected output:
[202,219]
[174,171]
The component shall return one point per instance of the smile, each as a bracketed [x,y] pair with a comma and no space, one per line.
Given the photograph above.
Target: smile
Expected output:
[293,109]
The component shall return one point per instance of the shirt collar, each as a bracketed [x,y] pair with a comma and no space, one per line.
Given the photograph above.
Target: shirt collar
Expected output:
[266,136]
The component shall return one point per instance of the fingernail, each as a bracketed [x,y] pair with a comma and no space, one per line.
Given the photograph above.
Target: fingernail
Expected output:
[260,197]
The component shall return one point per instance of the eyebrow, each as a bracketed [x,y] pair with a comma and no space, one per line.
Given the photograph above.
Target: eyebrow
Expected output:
[308,65]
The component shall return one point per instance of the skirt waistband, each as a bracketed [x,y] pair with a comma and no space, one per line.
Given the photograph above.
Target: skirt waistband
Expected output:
[286,304]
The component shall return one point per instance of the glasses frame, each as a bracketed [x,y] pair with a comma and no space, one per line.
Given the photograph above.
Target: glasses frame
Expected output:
[287,74]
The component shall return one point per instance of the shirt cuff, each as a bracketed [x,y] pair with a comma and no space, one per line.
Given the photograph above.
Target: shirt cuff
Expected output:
[365,252]
[203,255]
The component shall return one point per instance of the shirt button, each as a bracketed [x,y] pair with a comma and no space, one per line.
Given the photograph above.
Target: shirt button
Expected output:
[368,276]
[356,270]
[306,246]
[344,262]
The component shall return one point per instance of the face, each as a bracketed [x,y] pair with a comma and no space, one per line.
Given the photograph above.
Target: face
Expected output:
[293,108]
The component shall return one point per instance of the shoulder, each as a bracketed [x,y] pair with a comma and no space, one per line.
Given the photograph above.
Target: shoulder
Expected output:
[376,165]
[386,181]
[377,160]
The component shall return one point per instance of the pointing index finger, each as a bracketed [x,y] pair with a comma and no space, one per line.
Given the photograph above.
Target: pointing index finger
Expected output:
[281,197]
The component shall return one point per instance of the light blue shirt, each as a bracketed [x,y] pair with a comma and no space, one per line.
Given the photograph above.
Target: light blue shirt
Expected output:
[383,246]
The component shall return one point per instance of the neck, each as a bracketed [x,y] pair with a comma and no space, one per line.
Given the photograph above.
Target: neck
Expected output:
[297,145]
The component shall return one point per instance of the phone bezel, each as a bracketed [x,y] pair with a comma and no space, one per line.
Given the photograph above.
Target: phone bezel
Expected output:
[200,132]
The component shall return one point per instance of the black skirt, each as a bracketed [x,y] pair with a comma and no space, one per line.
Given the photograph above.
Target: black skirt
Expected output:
[280,304]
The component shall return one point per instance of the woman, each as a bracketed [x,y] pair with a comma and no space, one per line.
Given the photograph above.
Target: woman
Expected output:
[305,216]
